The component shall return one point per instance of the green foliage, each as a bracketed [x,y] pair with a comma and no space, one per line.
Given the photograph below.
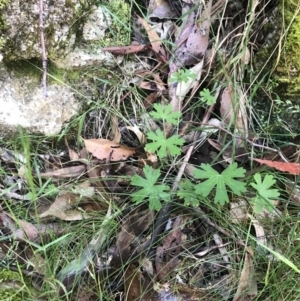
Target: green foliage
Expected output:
[215,179]
[263,193]
[182,75]
[206,97]
[3,3]
[118,34]
[187,193]
[154,193]
[165,113]
[163,145]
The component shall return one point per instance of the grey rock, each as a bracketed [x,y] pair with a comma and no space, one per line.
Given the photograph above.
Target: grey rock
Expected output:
[23,104]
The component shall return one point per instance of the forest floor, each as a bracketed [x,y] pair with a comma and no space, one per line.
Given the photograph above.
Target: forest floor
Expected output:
[175,184]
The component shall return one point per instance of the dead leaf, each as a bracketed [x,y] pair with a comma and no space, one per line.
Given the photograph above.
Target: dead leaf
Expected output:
[132,227]
[104,149]
[62,208]
[150,99]
[292,168]
[167,255]
[137,284]
[138,133]
[161,10]
[65,173]
[222,249]
[13,195]
[72,154]
[192,41]
[155,41]
[259,230]
[20,229]
[27,230]
[184,87]
[233,111]
[247,286]
[238,211]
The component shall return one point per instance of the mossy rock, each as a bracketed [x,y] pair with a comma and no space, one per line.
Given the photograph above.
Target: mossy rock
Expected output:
[279,54]
[287,72]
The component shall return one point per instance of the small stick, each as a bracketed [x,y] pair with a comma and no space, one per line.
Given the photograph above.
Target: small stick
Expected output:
[44,56]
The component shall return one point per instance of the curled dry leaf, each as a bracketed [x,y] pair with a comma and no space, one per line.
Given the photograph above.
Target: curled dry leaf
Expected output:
[233,111]
[104,149]
[72,154]
[155,41]
[247,286]
[63,173]
[138,133]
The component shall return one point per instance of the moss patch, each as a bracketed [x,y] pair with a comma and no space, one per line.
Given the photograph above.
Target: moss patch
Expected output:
[119,32]
[9,283]
[288,69]
[3,3]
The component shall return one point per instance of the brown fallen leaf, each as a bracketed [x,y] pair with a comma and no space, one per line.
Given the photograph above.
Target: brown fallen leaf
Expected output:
[62,208]
[167,255]
[63,173]
[155,41]
[233,111]
[104,149]
[20,229]
[247,286]
[72,154]
[292,168]
[192,41]
[137,284]
[137,222]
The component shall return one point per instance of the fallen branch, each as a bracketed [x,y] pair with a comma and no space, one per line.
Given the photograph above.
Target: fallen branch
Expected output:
[44,56]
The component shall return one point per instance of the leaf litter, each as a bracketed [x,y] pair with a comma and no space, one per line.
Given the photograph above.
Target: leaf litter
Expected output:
[156,240]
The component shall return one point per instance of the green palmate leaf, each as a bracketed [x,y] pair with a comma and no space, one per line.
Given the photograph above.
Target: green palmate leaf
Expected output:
[220,181]
[187,193]
[154,193]
[207,97]
[182,75]
[165,113]
[263,193]
[163,145]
